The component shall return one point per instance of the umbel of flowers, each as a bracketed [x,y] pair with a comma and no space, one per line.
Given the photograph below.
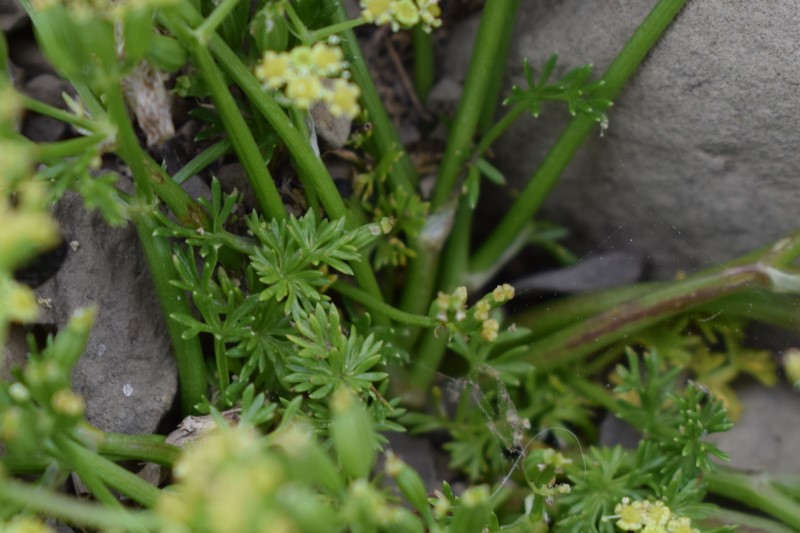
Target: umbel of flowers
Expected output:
[402,13]
[309,75]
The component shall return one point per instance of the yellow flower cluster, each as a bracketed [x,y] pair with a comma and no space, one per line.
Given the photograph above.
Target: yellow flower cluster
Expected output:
[649,517]
[402,13]
[310,75]
[454,306]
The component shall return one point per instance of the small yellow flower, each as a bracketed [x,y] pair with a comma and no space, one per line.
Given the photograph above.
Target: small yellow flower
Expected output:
[429,13]
[681,525]
[67,403]
[302,60]
[376,11]
[489,329]
[482,309]
[327,60]
[405,14]
[660,513]
[304,91]
[342,99]
[274,70]
[503,293]
[631,515]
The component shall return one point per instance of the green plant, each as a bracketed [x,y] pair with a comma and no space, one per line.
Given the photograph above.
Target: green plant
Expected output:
[314,341]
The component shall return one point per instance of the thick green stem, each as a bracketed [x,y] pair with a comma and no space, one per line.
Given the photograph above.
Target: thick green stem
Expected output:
[86,467]
[75,511]
[384,134]
[269,199]
[496,76]
[186,210]
[576,341]
[129,145]
[117,477]
[497,18]
[529,201]
[424,68]
[755,493]
[188,354]
[150,448]
[432,347]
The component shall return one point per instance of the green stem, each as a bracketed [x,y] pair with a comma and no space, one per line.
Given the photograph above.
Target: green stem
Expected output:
[75,511]
[129,145]
[496,76]
[202,160]
[149,448]
[117,477]
[333,29]
[186,210]
[497,18]
[432,348]
[531,198]
[54,152]
[498,129]
[300,28]
[244,144]
[756,493]
[393,313]
[86,468]
[424,68]
[47,110]
[214,20]
[576,341]
[384,134]
[188,354]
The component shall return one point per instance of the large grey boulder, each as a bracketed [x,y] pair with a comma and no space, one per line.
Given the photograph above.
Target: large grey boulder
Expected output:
[700,162]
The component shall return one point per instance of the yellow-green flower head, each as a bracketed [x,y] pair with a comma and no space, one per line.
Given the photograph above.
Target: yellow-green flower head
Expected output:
[377,11]
[327,60]
[482,309]
[67,403]
[405,14]
[304,91]
[429,13]
[489,329]
[503,293]
[274,70]
[631,515]
[302,60]
[342,100]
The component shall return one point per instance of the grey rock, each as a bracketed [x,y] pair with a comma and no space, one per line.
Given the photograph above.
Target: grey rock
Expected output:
[15,352]
[127,374]
[596,272]
[699,164]
[767,436]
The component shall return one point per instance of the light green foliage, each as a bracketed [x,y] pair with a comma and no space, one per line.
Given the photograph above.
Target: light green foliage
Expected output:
[314,347]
